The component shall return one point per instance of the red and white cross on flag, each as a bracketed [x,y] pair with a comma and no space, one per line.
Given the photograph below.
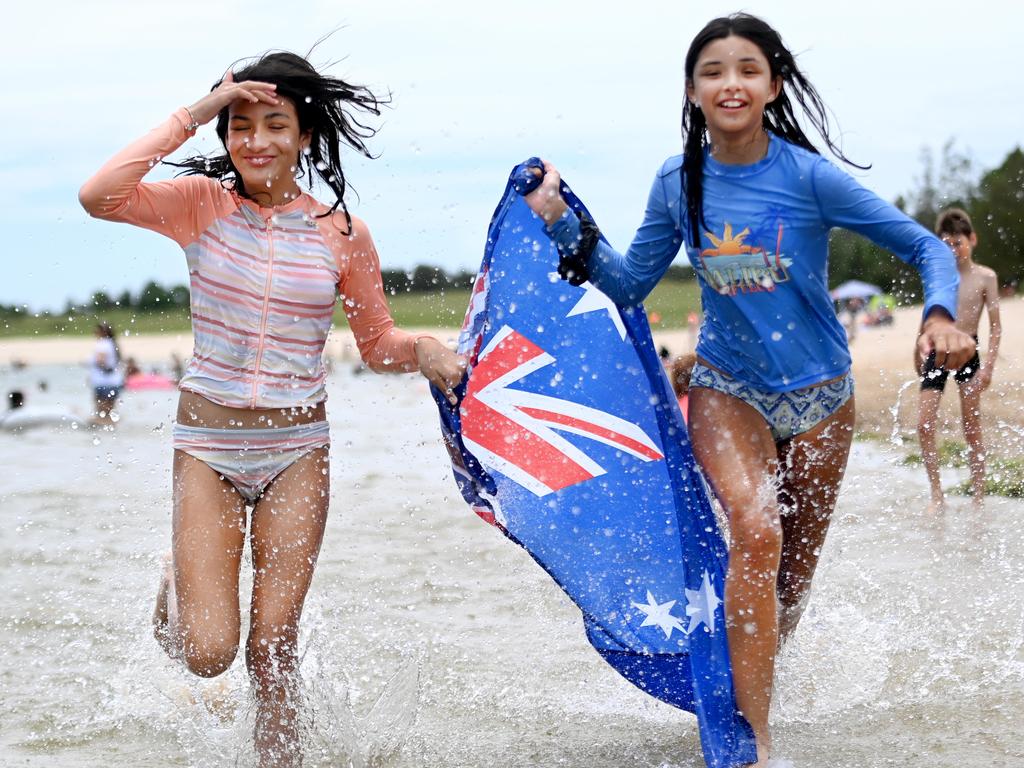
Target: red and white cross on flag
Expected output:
[513,431]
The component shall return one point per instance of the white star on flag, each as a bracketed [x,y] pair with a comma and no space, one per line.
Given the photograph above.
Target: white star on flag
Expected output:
[701,605]
[659,615]
[594,301]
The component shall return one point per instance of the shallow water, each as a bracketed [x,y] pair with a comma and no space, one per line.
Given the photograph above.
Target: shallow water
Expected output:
[910,652]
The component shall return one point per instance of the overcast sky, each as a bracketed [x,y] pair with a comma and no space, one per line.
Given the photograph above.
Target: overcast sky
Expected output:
[476,86]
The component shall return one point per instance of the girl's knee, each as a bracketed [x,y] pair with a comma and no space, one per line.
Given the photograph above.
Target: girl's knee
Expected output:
[756,534]
[209,658]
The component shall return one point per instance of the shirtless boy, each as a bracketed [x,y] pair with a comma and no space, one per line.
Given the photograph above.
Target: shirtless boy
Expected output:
[978,290]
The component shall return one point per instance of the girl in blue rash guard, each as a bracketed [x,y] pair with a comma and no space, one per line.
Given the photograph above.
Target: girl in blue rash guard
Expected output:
[771,397]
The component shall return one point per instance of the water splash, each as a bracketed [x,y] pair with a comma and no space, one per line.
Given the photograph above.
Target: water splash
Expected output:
[895,438]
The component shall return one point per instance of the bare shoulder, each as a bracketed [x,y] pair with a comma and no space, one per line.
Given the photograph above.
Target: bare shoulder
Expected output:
[983,279]
[986,273]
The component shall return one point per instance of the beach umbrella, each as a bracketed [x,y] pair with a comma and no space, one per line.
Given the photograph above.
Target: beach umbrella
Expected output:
[854,289]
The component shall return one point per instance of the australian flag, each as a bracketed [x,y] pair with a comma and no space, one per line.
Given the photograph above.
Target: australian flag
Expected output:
[568,439]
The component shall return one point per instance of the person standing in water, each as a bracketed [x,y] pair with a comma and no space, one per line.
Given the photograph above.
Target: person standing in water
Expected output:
[267,262]
[771,404]
[979,290]
[106,377]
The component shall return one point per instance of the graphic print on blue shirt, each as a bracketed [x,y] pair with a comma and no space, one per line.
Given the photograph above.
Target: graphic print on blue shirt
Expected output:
[733,266]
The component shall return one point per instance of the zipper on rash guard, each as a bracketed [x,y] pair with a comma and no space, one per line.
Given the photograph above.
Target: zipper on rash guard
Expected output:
[263,317]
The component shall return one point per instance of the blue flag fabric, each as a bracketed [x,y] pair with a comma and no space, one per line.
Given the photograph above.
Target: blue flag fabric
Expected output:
[567,437]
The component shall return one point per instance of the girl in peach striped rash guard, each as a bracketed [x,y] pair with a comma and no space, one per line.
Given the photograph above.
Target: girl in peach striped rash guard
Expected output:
[266,262]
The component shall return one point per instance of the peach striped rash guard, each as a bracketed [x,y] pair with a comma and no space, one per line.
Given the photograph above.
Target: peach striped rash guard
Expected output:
[264,281]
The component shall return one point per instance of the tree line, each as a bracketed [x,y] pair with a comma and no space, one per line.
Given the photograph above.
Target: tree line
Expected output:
[994,200]
[155,298]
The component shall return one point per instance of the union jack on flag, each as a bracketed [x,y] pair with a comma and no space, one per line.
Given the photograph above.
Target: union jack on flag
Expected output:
[567,437]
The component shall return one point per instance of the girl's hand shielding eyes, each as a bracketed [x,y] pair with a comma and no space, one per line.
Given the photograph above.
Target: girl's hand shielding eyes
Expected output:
[208,107]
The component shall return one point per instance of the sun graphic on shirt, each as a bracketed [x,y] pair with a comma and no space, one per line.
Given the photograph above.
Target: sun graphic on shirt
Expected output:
[728,244]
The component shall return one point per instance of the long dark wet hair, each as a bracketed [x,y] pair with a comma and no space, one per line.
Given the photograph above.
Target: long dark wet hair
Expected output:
[327,108]
[778,114]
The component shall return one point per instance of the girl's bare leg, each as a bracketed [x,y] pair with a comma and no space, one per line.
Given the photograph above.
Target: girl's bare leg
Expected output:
[737,455]
[287,530]
[208,535]
[812,465]
[165,615]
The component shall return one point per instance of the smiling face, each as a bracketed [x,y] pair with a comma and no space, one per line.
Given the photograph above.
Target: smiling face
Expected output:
[264,142]
[732,83]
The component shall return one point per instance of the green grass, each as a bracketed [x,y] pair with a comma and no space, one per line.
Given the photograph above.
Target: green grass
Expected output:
[952,453]
[84,323]
[671,299]
[409,310]
[1003,477]
[444,309]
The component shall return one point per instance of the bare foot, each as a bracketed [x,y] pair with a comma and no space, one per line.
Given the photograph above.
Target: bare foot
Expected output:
[937,506]
[218,700]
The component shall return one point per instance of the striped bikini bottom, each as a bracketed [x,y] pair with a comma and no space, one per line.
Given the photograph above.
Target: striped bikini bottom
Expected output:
[787,413]
[251,458]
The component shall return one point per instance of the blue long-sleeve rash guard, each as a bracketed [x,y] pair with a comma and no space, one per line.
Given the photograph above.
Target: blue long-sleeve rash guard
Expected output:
[763,261]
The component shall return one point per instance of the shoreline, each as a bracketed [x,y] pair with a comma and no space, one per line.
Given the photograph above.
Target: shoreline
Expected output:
[885,381]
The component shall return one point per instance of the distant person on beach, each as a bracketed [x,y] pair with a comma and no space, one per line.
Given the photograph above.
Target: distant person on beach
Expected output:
[15,405]
[267,264]
[880,310]
[106,376]
[849,316]
[771,396]
[21,416]
[979,290]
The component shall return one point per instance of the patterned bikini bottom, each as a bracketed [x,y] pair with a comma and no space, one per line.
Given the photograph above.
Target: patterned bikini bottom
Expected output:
[787,413]
[251,458]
